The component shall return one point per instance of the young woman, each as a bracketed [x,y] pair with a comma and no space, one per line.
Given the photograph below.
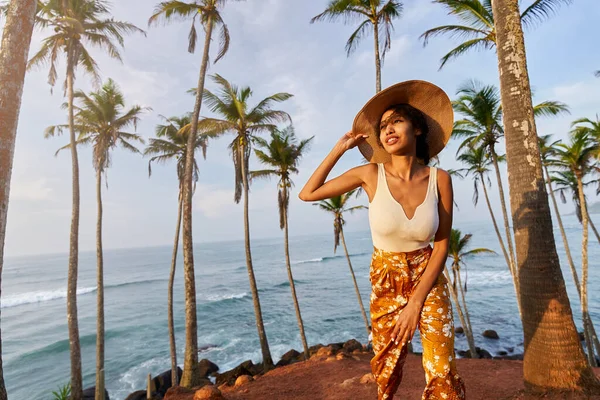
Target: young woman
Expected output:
[398,131]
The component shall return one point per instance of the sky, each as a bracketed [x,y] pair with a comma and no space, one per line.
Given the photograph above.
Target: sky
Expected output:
[274,48]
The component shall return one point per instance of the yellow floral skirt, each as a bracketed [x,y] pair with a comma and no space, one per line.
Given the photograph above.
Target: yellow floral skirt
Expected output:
[393,277]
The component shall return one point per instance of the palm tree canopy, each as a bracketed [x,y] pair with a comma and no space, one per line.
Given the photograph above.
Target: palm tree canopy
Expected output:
[579,155]
[231,104]
[101,120]
[368,13]
[282,155]
[202,10]
[338,206]
[481,110]
[477,161]
[566,181]
[77,23]
[588,126]
[457,247]
[476,23]
[547,149]
[171,144]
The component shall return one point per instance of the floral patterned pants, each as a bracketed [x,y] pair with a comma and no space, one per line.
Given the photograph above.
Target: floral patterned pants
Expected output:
[393,277]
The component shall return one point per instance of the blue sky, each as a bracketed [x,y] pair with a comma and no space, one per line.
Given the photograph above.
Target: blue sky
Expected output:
[273,49]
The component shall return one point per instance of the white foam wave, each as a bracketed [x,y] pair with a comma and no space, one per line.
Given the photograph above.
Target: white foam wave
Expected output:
[219,297]
[40,297]
[312,260]
[487,278]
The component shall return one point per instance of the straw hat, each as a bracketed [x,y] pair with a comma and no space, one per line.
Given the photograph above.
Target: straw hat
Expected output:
[425,97]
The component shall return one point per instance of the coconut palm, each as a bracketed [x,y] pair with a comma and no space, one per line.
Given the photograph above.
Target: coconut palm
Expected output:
[479,31]
[338,206]
[371,14]
[76,24]
[208,14]
[457,252]
[100,119]
[597,74]
[578,157]
[481,125]
[282,155]
[171,144]
[16,39]
[246,123]
[553,359]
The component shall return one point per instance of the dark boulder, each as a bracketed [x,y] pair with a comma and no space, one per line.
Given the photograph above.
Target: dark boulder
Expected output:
[459,329]
[337,347]
[137,395]
[90,393]
[490,334]
[162,382]
[207,367]
[290,357]
[245,368]
[352,345]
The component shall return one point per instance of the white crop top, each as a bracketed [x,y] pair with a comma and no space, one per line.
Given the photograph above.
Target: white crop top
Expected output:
[391,229]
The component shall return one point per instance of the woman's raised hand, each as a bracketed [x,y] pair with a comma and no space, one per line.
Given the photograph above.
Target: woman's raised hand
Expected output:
[351,140]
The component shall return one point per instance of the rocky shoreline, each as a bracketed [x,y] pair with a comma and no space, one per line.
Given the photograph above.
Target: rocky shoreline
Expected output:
[213,381]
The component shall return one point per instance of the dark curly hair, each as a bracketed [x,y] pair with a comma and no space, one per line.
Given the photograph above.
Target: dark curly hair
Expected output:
[418,121]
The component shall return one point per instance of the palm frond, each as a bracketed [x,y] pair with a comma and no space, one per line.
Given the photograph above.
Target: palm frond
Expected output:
[540,10]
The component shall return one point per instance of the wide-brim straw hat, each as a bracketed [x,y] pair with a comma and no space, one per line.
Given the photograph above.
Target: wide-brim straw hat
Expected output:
[426,97]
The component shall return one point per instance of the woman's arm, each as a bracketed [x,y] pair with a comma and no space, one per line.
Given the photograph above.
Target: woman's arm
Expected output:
[409,318]
[317,189]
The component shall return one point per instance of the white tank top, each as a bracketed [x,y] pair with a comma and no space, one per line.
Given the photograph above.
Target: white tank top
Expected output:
[391,229]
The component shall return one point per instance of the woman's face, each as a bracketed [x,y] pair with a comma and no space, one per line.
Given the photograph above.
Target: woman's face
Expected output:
[397,134]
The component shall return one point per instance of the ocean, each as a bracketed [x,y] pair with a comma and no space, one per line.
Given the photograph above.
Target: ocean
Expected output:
[34,327]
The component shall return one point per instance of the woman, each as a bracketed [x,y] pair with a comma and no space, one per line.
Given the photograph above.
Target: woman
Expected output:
[398,131]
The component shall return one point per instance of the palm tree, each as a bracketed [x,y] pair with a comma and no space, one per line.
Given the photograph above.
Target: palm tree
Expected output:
[482,126]
[479,29]
[554,359]
[16,40]
[579,158]
[171,143]
[338,206]
[457,253]
[100,120]
[282,155]
[369,13]
[76,24]
[231,104]
[597,74]
[208,12]
[567,182]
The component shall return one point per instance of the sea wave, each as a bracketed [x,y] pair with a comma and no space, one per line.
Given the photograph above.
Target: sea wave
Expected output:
[325,259]
[49,295]
[211,298]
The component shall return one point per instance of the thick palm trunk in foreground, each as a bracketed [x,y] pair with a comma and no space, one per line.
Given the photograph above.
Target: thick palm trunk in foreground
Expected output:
[75,348]
[100,293]
[16,40]
[191,372]
[553,359]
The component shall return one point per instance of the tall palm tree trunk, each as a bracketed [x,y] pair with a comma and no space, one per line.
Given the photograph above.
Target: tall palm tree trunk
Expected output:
[553,359]
[509,236]
[360,303]
[191,372]
[500,240]
[465,324]
[464,300]
[377,58]
[592,332]
[262,335]
[16,40]
[76,378]
[594,228]
[173,347]
[99,393]
[584,272]
[293,285]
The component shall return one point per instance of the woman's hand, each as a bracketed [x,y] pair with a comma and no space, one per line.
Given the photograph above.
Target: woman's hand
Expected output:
[350,140]
[406,324]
